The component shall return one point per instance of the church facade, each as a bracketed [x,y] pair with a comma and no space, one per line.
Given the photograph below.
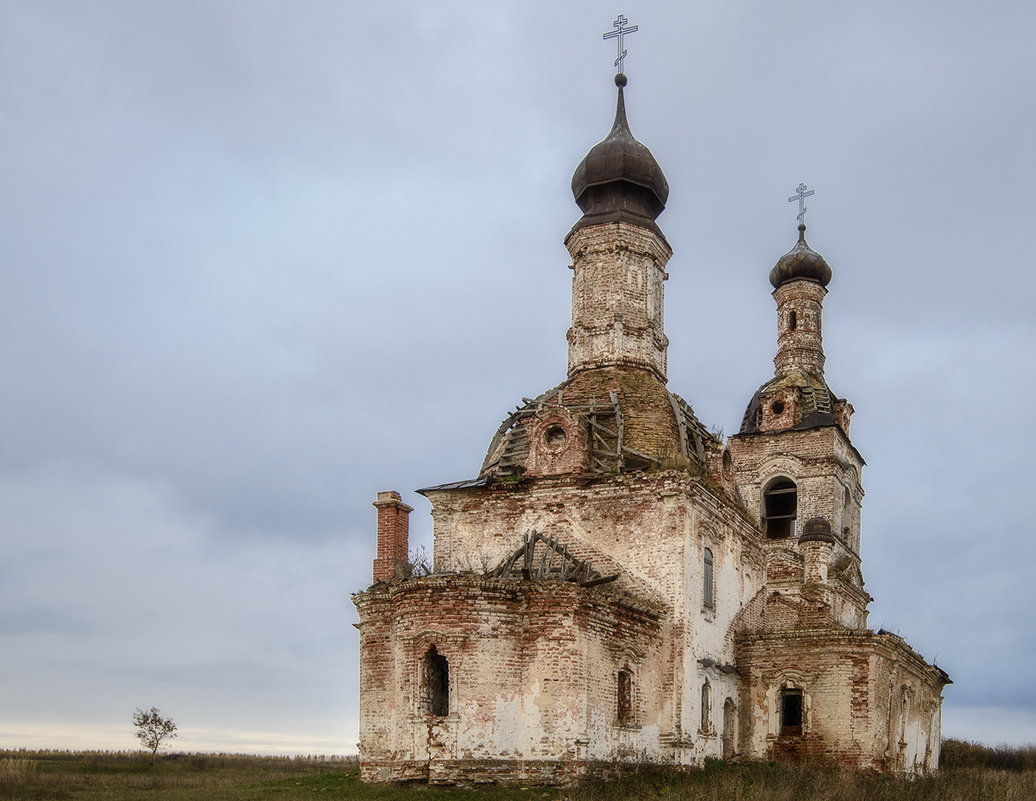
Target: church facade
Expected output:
[617,584]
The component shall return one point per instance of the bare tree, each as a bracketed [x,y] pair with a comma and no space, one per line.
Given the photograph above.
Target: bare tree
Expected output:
[153,729]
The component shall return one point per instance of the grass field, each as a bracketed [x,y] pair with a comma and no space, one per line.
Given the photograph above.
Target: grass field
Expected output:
[971,773]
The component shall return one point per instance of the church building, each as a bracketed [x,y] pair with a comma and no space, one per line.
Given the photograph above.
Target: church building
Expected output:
[617,584]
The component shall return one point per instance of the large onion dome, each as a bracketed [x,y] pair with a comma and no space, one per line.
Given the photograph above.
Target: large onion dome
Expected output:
[619,179]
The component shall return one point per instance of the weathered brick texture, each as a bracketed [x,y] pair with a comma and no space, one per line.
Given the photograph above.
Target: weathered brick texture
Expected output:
[868,699]
[799,327]
[393,534]
[636,591]
[617,298]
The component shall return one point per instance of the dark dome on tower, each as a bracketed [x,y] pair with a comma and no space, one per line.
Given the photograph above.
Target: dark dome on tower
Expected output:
[619,179]
[801,262]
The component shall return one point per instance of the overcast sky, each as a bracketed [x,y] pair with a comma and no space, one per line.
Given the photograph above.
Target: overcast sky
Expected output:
[263,259]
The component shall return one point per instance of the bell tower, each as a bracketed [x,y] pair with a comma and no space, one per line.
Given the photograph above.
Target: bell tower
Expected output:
[796,466]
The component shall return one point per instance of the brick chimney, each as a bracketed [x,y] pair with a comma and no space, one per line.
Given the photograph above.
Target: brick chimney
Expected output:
[393,534]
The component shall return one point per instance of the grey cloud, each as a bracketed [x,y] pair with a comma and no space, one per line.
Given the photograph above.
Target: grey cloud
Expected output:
[259,266]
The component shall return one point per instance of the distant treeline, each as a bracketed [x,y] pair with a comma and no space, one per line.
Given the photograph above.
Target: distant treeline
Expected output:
[194,760]
[958,754]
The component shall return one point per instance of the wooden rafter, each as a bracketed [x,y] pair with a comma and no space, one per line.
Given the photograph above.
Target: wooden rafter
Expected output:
[523,563]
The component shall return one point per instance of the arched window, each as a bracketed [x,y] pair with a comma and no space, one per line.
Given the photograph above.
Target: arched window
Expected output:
[435,671]
[847,518]
[708,598]
[780,508]
[728,728]
[706,707]
[791,712]
[625,697]
[793,320]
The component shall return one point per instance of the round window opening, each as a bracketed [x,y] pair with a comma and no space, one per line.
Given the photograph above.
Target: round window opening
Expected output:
[777,408]
[555,437]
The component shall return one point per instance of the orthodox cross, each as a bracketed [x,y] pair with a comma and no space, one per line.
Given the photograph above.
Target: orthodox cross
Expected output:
[800,195]
[622,30]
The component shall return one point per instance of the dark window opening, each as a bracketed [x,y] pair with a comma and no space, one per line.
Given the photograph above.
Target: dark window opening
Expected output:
[555,437]
[706,707]
[791,713]
[707,597]
[436,683]
[780,504]
[793,320]
[728,728]
[625,706]
[904,716]
[777,407]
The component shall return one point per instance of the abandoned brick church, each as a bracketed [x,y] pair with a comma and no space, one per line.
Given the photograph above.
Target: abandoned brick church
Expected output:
[617,584]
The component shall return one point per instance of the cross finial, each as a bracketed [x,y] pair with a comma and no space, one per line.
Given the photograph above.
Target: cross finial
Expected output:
[619,33]
[801,193]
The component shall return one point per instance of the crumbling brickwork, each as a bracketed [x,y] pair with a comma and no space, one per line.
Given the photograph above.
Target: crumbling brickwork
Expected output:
[617,307]
[619,586]
[868,699]
[533,678]
[799,334]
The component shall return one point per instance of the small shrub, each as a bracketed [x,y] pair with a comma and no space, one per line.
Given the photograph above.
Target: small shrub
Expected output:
[417,564]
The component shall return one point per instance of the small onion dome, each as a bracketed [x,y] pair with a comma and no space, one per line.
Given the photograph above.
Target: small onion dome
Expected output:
[619,179]
[816,530]
[801,262]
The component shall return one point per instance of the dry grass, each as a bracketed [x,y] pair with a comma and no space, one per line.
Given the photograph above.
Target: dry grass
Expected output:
[768,782]
[972,773]
[16,768]
[107,776]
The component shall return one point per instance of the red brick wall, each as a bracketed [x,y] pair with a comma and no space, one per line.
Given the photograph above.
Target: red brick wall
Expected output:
[393,534]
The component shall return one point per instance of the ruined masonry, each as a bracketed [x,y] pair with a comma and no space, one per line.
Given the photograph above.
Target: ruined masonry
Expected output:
[618,585]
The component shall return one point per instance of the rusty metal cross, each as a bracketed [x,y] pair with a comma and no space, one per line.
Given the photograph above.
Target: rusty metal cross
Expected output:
[619,33]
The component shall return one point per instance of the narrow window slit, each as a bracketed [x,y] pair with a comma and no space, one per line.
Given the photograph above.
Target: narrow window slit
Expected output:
[436,683]
[707,597]
[625,697]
